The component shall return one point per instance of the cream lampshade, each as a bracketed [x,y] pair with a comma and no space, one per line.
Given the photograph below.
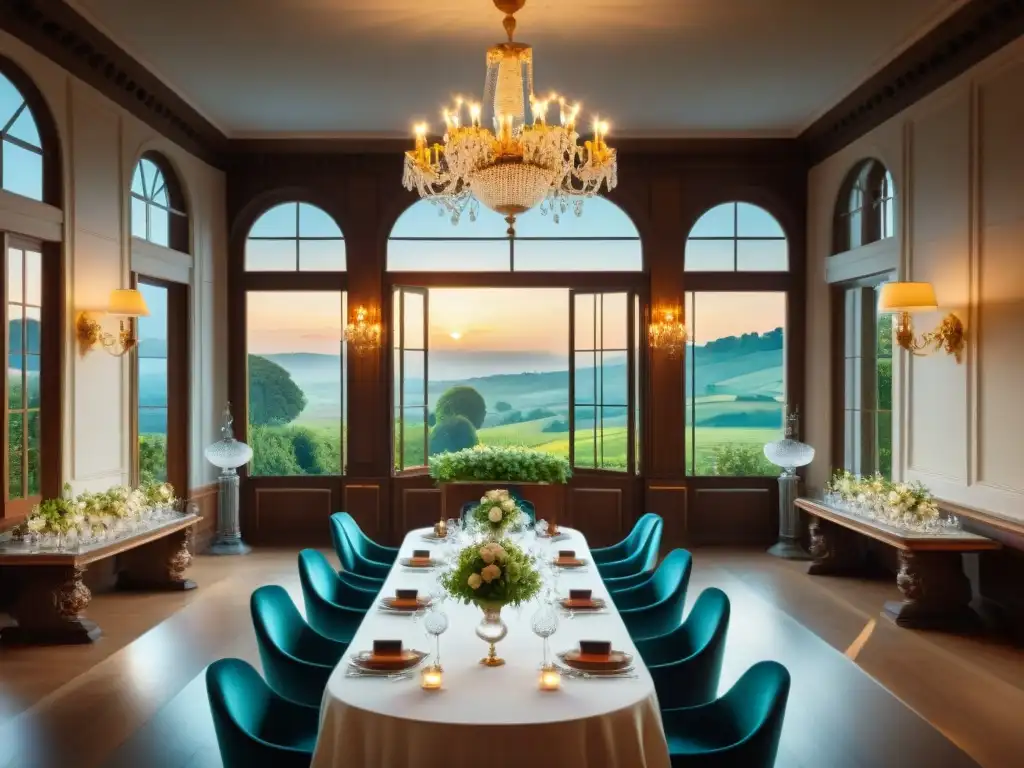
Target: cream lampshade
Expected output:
[907,297]
[127,302]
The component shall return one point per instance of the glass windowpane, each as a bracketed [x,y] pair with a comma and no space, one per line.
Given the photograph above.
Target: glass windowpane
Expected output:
[614,320]
[15,287]
[321,255]
[23,171]
[33,330]
[15,330]
[15,382]
[159,226]
[719,221]
[710,255]
[413,332]
[586,331]
[762,256]
[271,255]
[15,456]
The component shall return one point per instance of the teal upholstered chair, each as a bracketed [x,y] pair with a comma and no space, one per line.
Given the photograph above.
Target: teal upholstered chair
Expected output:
[740,729]
[622,583]
[255,726]
[349,557]
[656,606]
[628,545]
[686,664]
[366,547]
[297,660]
[324,594]
[641,560]
[362,584]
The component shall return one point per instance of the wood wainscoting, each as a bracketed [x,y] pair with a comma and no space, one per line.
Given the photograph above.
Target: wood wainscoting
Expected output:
[206,498]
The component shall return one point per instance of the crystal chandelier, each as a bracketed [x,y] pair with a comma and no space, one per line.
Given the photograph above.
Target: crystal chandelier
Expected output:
[667,332]
[524,162]
[363,332]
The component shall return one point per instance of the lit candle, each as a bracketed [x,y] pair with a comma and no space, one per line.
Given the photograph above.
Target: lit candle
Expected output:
[597,135]
[550,679]
[421,139]
[572,116]
[562,114]
[431,678]
[474,114]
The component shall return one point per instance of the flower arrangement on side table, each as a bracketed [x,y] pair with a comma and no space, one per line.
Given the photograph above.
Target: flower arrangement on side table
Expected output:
[492,575]
[910,506]
[496,513]
[92,516]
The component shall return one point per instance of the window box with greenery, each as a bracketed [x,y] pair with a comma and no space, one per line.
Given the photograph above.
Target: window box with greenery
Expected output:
[532,475]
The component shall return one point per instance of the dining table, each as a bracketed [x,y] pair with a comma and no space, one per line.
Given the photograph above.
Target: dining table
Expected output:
[491,716]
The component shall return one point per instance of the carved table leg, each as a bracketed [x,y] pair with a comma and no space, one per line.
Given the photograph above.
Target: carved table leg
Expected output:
[48,607]
[936,593]
[834,548]
[159,565]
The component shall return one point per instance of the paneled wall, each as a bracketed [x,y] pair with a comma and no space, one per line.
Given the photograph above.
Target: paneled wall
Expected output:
[958,161]
[101,144]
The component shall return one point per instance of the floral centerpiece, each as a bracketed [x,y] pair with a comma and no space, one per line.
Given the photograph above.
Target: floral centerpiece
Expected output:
[496,513]
[492,575]
[904,505]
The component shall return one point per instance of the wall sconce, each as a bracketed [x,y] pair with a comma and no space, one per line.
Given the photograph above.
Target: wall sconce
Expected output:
[666,330]
[362,331]
[127,303]
[905,298]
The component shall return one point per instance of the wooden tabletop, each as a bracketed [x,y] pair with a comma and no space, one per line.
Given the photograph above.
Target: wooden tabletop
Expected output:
[19,555]
[954,541]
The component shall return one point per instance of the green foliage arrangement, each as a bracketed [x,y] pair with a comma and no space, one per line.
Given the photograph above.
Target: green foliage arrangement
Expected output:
[738,461]
[495,573]
[496,512]
[462,401]
[902,504]
[453,433]
[491,462]
[91,511]
[274,398]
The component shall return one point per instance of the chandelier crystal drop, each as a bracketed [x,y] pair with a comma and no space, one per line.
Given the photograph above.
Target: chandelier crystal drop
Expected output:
[524,161]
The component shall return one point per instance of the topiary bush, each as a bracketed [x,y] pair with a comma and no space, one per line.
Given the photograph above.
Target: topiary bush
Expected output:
[452,434]
[462,401]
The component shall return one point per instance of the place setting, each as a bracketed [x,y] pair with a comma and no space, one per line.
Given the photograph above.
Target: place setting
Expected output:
[581,602]
[567,560]
[595,660]
[388,659]
[405,602]
[420,561]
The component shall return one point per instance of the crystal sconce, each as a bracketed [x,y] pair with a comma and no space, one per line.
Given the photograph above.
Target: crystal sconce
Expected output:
[667,331]
[363,331]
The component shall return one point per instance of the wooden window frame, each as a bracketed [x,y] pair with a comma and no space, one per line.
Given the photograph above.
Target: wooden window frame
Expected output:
[736,239]
[179,383]
[51,374]
[177,212]
[878,193]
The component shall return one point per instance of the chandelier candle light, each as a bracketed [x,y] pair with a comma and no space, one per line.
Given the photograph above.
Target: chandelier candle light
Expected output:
[667,331]
[362,332]
[524,162]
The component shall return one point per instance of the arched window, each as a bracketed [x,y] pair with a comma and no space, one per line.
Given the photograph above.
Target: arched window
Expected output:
[866,209]
[735,360]
[296,307]
[602,239]
[736,237]
[547,359]
[21,161]
[158,206]
[294,237]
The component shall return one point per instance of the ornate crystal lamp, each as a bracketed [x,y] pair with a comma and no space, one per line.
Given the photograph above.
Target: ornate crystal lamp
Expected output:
[228,454]
[362,332]
[524,161]
[789,454]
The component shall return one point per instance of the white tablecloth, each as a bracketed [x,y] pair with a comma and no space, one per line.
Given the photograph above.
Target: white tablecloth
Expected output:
[490,717]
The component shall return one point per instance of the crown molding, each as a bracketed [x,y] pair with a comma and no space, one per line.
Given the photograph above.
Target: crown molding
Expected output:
[970,34]
[57,31]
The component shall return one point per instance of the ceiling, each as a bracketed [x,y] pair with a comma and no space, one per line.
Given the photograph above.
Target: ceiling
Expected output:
[653,67]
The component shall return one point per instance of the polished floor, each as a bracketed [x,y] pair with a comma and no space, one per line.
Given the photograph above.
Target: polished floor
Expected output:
[865,693]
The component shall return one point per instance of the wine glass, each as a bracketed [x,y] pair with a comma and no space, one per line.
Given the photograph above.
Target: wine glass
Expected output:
[436,624]
[545,624]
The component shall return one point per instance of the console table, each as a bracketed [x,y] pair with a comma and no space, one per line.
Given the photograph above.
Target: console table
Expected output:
[50,596]
[936,592]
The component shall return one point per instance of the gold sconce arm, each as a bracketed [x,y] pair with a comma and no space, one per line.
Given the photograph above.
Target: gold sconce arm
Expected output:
[91,334]
[948,336]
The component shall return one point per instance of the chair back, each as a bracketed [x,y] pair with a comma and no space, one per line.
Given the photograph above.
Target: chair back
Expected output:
[639,560]
[650,547]
[239,703]
[343,546]
[757,705]
[324,598]
[672,575]
[638,535]
[275,619]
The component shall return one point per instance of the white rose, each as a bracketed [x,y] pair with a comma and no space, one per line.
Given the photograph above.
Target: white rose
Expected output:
[487,555]
[490,573]
[493,495]
[36,524]
[508,505]
[494,515]
[474,581]
[499,553]
[484,499]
